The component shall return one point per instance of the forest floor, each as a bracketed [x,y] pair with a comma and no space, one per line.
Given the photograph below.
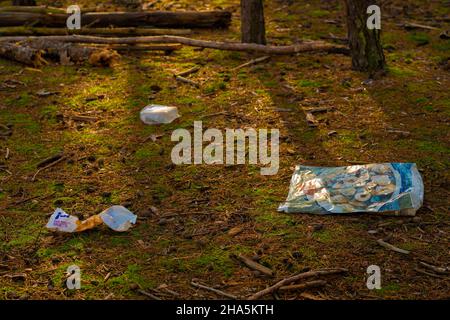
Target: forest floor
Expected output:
[113,161]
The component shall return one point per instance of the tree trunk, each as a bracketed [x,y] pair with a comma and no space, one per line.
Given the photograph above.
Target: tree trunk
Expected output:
[24,2]
[365,45]
[161,19]
[252,22]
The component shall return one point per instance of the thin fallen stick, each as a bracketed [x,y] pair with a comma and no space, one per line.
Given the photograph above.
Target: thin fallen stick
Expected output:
[306,285]
[436,269]
[32,198]
[412,25]
[201,286]
[47,166]
[7,153]
[319,109]
[251,62]
[310,296]
[430,274]
[51,159]
[295,278]
[306,46]
[148,294]
[391,247]
[188,81]
[84,118]
[254,265]
[188,72]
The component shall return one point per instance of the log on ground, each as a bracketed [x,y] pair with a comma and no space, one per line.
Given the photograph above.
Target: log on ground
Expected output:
[306,46]
[161,19]
[111,32]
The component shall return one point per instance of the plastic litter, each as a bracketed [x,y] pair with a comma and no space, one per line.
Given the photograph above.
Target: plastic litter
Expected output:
[395,188]
[117,218]
[155,114]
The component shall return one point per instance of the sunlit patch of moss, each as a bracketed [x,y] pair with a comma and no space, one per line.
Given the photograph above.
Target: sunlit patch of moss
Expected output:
[216,260]
[401,72]
[214,87]
[25,233]
[308,83]
[132,275]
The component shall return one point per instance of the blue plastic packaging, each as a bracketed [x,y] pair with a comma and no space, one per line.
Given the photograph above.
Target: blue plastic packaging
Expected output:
[395,188]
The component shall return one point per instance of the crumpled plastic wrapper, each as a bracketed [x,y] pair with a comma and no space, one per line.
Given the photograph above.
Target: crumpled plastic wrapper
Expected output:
[394,188]
[117,218]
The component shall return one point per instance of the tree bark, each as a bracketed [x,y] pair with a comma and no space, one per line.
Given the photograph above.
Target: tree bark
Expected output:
[23,54]
[161,19]
[24,2]
[252,22]
[120,32]
[365,45]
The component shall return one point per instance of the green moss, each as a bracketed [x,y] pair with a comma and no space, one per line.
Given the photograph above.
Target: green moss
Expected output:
[319,13]
[216,260]
[275,219]
[214,87]
[132,275]
[432,146]
[401,72]
[147,152]
[419,38]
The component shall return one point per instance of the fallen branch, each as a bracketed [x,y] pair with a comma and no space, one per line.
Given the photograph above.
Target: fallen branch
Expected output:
[413,26]
[319,109]
[83,118]
[67,52]
[306,285]
[148,294]
[295,278]
[430,274]
[168,48]
[34,9]
[22,54]
[306,46]
[188,81]
[436,269]
[251,62]
[201,286]
[188,72]
[254,265]
[47,166]
[163,19]
[49,160]
[391,247]
[36,31]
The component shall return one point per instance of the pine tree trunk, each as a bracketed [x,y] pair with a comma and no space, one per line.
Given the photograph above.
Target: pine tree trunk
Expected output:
[252,22]
[365,45]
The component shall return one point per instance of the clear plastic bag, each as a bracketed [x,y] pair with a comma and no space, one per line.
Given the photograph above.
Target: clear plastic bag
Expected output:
[155,114]
[387,187]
